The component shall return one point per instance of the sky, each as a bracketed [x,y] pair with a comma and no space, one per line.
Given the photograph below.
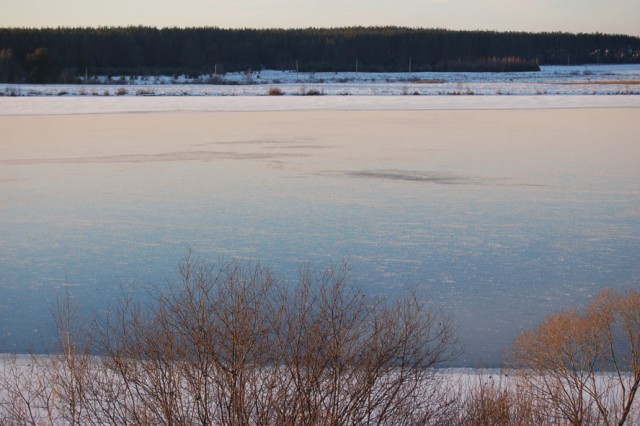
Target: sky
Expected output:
[606,16]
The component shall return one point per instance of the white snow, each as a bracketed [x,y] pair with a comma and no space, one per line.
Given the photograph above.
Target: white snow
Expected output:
[102,105]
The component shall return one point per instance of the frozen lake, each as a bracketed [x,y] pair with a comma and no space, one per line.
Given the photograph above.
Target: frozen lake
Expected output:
[497,215]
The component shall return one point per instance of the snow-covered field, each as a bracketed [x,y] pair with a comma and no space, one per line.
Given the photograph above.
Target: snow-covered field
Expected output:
[551,80]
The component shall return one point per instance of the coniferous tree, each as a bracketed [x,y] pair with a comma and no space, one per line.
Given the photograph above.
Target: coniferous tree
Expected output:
[145,50]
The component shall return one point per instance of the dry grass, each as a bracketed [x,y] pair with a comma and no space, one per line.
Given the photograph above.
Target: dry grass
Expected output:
[313,92]
[275,91]
[145,92]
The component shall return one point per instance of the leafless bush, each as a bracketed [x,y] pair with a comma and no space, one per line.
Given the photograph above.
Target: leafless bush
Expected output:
[585,362]
[310,92]
[275,91]
[27,397]
[145,92]
[10,91]
[497,400]
[49,389]
[230,344]
[488,403]
[350,361]
[70,367]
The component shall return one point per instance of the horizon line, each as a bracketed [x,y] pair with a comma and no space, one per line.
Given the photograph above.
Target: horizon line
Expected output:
[195,27]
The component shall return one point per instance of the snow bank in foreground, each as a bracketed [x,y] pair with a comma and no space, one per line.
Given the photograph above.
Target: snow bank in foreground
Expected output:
[101,105]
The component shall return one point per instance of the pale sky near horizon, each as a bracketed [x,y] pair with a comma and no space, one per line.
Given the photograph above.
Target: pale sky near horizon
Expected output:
[606,16]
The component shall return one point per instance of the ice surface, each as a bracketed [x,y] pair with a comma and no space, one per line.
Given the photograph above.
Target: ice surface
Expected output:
[500,216]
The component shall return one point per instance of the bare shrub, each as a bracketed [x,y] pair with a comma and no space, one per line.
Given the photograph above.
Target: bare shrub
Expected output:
[585,362]
[488,404]
[497,400]
[145,92]
[350,361]
[121,91]
[231,345]
[27,397]
[275,91]
[69,369]
[313,92]
[11,91]
[50,389]
[310,92]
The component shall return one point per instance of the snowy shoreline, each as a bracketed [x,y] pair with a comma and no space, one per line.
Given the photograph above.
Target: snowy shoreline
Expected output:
[586,86]
[599,80]
[140,104]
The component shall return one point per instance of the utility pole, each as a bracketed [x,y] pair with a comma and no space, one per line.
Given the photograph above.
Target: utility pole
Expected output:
[409,64]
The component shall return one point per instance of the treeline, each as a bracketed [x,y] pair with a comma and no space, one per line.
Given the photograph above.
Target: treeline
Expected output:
[50,55]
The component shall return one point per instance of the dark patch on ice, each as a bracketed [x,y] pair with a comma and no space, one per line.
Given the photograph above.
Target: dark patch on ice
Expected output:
[294,140]
[415,176]
[296,143]
[165,157]
[439,178]
[300,147]
[526,185]
[250,142]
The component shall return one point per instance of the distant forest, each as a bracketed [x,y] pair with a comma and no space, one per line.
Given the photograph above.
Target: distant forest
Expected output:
[53,55]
